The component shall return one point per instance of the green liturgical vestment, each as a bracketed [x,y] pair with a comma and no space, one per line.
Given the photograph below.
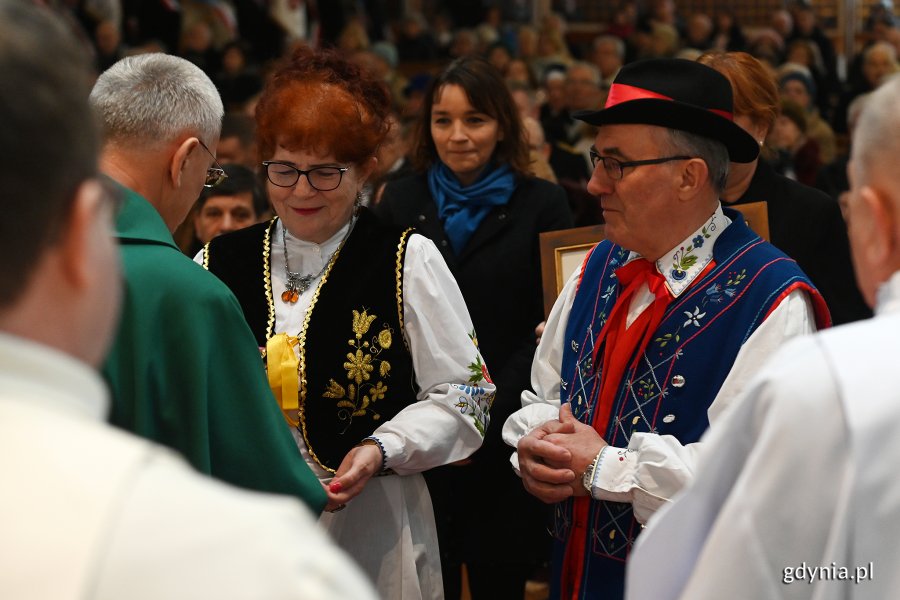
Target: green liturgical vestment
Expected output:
[186,372]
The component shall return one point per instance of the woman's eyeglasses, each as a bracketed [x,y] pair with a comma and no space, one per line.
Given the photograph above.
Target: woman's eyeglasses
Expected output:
[323,179]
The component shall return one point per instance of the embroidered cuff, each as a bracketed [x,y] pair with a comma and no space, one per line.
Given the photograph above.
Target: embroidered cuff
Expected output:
[614,478]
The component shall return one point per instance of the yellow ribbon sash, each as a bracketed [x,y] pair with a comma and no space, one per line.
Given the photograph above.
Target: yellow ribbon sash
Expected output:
[282,366]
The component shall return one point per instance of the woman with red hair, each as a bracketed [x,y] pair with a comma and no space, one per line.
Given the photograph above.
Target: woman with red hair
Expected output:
[368,344]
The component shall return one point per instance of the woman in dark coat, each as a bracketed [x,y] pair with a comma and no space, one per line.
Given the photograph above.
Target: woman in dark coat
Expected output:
[804,222]
[473,195]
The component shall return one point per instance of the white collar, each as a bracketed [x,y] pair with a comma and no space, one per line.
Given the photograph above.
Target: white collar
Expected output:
[295,244]
[681,265]
[48,378]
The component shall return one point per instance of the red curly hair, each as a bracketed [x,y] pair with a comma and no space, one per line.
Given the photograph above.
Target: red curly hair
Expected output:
[318,100]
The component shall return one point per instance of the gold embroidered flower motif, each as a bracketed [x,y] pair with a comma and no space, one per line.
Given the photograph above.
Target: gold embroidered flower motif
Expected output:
[358,398]
[358,366]
[384,338]
[335,390]
[377,391]
[361,323]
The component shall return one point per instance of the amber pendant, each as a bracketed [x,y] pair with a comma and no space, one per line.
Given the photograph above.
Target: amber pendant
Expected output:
[290,296]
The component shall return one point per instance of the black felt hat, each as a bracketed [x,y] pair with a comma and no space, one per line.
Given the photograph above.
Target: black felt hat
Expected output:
[677,94]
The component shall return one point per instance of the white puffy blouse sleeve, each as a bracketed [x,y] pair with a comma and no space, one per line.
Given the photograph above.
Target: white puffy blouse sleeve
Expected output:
[448,421]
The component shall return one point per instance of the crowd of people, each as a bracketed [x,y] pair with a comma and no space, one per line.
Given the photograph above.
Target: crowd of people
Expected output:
[298,245]
[235,42]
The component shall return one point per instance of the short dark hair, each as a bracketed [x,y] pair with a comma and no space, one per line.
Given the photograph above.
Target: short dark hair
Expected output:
[487,92]
[240,126]
[49,139]
[240,179]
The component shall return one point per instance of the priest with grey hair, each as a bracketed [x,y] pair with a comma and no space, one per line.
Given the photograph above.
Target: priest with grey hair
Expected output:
[184,369]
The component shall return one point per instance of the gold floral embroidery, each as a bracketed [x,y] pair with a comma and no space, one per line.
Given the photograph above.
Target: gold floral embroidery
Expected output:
[359,366]
[358,398]
[384,338]
[361,323]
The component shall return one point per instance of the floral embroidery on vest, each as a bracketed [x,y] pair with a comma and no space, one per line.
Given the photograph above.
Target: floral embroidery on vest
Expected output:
[357,399]
[715,293]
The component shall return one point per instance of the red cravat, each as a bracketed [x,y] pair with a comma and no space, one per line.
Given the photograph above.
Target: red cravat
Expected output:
[622,346]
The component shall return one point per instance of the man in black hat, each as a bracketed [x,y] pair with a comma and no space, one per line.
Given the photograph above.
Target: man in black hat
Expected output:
[798,490]
[653,337]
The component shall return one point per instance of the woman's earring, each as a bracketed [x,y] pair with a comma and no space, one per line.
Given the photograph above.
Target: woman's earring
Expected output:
[358,202]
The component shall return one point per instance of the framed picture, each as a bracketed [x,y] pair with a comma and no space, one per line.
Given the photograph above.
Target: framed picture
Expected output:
[562,253]
[757,216]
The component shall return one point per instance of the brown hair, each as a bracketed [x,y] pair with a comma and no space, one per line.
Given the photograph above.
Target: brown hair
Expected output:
[488,94]
[321,101]
[755,92]
[48,142]
[795,113]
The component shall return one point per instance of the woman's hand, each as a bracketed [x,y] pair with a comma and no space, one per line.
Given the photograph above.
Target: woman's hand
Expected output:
[351,477]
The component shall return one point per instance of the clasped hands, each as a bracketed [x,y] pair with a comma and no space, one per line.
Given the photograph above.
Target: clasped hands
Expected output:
[354,472]
[553,457]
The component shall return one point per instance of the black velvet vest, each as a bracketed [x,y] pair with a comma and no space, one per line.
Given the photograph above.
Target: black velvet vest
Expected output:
[355,369]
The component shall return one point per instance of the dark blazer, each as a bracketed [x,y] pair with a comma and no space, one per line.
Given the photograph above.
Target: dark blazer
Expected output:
[499,274]
[807,225]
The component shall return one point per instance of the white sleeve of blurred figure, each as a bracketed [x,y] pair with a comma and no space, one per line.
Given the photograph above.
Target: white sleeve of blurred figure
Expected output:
[655,467]
[771,478]
[178,535]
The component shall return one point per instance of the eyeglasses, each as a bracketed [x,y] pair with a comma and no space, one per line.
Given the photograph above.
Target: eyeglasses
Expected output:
[214,175]
[615,168]
[323,179]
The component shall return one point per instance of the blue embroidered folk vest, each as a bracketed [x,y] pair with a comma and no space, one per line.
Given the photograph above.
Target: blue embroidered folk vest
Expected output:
[355,370]
[673,384]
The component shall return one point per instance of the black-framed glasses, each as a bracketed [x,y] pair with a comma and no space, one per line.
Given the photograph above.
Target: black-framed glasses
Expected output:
[615,168]
[323,179]
[214,175]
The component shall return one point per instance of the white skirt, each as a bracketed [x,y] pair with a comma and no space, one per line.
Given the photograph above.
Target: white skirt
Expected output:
[389,530]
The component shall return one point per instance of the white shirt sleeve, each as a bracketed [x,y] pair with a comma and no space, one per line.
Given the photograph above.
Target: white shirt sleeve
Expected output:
[656,467]
[772,492]
[653,467]
[447,422]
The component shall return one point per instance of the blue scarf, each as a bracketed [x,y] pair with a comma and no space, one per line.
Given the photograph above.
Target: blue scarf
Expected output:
[462,209]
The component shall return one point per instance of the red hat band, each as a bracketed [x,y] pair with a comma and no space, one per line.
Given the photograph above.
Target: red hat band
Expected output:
[621,92]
